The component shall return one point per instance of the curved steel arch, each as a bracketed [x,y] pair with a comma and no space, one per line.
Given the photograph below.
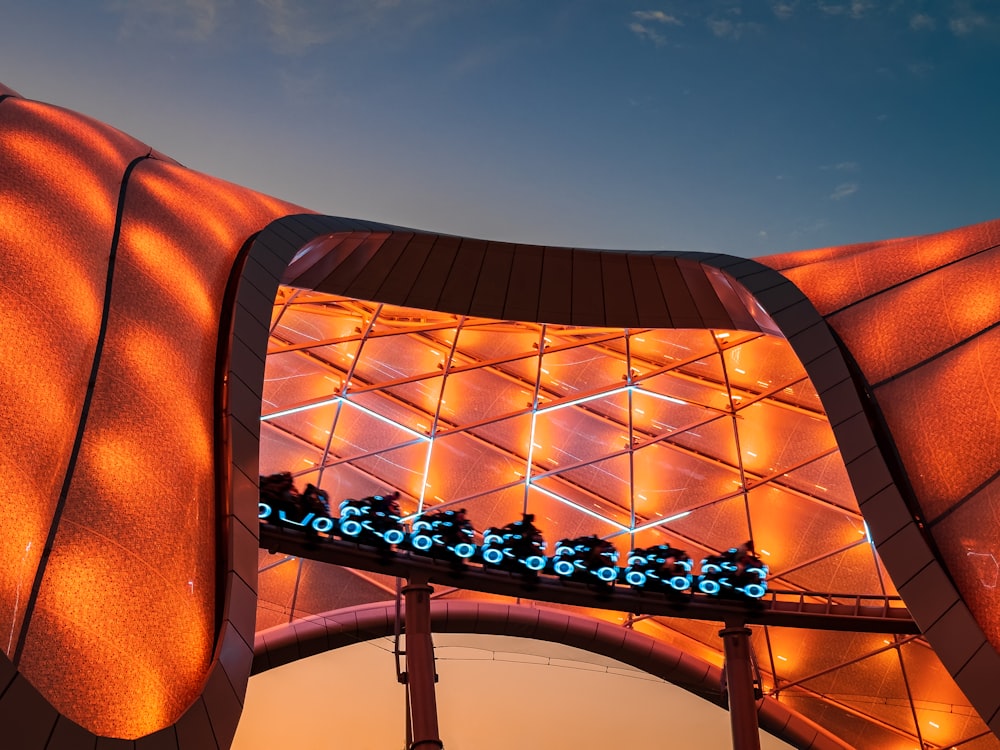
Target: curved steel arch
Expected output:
[331,630]
[382,263]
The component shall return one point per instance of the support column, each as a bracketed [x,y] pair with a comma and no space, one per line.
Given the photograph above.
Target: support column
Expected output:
[740,686]
[420,673]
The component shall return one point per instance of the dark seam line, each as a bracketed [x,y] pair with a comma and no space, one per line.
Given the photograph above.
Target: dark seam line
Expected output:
[84,412]
[6,96]
[962,501]
[907,281]
[938,355]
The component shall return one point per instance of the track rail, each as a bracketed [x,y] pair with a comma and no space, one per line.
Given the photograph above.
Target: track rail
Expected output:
[792,609]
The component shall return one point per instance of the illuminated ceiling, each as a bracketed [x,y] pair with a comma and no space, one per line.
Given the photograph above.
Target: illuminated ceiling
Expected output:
[699,438]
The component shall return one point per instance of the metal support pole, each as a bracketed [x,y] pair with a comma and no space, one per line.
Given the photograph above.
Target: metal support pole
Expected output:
[740,686]
[420,673]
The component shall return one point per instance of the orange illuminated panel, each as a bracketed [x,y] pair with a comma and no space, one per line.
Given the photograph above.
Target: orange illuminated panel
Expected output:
[846,275]
[955,302]
[946,423]
[125,621]
[60,186]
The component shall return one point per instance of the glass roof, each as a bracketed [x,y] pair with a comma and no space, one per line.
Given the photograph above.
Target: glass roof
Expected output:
[699,438]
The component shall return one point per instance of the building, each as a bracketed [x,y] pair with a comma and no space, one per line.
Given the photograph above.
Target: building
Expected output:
[830,405]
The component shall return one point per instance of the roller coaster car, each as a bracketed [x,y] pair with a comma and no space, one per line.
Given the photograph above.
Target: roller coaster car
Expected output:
[518,546]
[282,505]
[663,568]
[278,497]
[734,572]
[444,533]
[372,520]
[586,558]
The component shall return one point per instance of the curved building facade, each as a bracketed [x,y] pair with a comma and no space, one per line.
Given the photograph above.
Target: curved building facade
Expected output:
[171,336]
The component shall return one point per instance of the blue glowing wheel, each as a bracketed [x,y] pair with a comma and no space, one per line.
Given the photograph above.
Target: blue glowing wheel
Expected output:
[607,574]
[635,578]
[419,526]
[349,510]
[680,583]
[534,562]
[563,568]
[493,556]
[350,527]
[421,542]
[754,590]
[710,567]
[323,525]
[465,550]
[393,536]
[636,560]
[492,539]
[263,510]
[709,586]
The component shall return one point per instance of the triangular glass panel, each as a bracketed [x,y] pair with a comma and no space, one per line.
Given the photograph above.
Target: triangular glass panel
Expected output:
[762,364]
[360,429]
[323,587]
[825,478]
[571,433]
[660,347]
[393,319]
[875,687]
[312,424]
[790,530]
[714,439]
[717,526]
[512,434]
[607,479]
[388,359]
[655,414]
[583,370]
[394,409]
[669,479]
[690,389]
[814,656]
[568,513]
[461,465]
[558,336]
[310,324]
[857,731]
[487,341]
[775,439]
[484,393]
[294,378]
[286,452]
[398,469]
[849,572]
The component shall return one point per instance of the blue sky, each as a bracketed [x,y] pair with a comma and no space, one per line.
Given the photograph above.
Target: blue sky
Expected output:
[742,126]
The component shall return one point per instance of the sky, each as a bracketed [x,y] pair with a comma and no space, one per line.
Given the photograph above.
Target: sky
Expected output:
[748,127]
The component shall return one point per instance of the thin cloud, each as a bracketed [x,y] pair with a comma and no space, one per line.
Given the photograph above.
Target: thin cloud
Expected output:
[295,26]
[725,28]
[843,190]
[842,166]
[196,20]
[645,32]
[783,9]
[965,24]
[657,16]
[922,22]
[854,9]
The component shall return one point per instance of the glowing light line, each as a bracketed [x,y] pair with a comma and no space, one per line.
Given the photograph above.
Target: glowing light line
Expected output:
[573,505]
[661,521]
